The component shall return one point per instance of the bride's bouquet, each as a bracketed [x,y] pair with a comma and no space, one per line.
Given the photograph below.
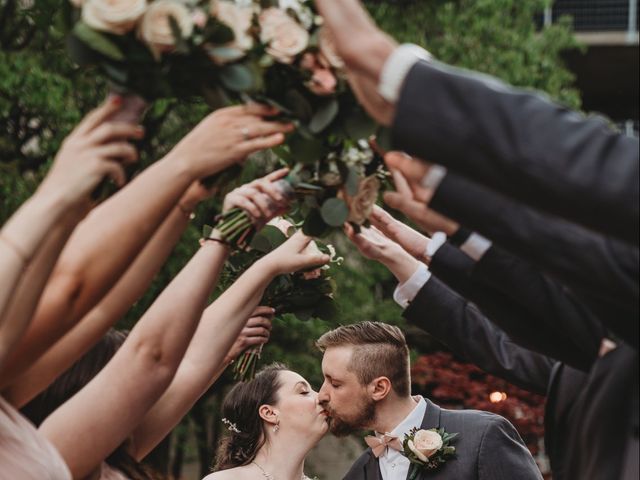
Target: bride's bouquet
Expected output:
[307,294]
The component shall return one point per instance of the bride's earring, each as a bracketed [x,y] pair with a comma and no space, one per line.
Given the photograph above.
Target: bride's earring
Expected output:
[276,427]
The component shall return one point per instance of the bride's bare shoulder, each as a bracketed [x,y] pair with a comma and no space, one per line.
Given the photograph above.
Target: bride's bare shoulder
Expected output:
[230,474]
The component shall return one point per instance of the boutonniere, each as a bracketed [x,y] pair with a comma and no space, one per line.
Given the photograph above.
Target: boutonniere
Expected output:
[427,449]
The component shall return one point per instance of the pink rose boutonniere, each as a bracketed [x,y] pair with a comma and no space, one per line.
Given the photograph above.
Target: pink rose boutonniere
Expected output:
[427,449]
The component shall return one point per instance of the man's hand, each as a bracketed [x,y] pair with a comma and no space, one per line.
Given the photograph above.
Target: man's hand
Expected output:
[403,200]
[410,240]
[373,244]
[256,332]
[412,172]
[364,49]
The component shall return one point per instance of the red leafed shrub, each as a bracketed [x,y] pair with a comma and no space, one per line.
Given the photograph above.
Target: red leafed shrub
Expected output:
[454,384]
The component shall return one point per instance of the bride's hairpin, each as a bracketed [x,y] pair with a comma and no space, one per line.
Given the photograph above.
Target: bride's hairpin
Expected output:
[230,425]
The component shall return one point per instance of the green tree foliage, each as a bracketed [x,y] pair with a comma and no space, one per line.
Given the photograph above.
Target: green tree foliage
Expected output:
[43,95]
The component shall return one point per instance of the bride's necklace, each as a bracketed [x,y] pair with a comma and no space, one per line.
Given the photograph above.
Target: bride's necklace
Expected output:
[268,476]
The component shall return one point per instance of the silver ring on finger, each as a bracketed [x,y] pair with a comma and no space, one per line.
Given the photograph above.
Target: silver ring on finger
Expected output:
[245,134]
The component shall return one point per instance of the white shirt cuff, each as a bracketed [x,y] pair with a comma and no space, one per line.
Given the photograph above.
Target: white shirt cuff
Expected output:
[396,69]
[434,177]
[407,291]
[476,246]
[437,240]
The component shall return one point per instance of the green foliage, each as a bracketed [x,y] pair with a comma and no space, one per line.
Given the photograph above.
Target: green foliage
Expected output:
[43,95]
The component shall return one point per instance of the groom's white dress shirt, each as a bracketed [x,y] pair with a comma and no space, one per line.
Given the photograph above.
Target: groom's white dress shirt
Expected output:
[393,464]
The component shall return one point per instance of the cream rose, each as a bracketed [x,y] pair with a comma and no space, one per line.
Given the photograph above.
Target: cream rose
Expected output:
[112,16]
[284,37]
[425,443]
[328,49]
[361,205]
[238,19]
[155,29]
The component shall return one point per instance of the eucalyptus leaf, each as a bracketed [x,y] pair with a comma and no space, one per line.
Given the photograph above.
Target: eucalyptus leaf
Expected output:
[334,212]
[324,116]
[97,41]
[359,125]
[298,104]
[314,225]
[237,77]
[305,150]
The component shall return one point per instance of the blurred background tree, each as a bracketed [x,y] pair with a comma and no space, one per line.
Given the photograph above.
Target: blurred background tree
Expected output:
[43,95]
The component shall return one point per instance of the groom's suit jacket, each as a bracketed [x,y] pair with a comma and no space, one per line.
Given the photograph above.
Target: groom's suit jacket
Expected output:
[520,144]
[488,448]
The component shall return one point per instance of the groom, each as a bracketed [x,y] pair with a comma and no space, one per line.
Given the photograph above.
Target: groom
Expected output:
[367,387]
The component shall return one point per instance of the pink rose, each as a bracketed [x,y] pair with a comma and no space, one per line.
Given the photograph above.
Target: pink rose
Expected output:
[284,37]
[425,443]
[238,19]
[199,18]
[155,29]
[361,205]
[112,16]
[322,82]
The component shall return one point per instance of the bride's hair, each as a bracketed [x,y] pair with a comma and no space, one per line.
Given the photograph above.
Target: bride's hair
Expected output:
[246,430]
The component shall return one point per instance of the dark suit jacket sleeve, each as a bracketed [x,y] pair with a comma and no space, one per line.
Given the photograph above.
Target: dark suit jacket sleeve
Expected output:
[521,144]
[604,272]
[521,302]
[503,455]
[463,328]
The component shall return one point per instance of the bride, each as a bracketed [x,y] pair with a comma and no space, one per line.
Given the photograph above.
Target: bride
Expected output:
[273,420]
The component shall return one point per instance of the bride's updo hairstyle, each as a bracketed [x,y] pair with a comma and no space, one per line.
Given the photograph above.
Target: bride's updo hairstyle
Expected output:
[246,430]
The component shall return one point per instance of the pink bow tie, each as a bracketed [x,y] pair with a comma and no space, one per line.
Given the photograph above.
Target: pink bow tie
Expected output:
[380,444]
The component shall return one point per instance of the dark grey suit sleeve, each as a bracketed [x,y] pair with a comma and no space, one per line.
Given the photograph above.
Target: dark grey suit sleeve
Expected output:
[463,328]
[503,455]
[521,144]
[602,271]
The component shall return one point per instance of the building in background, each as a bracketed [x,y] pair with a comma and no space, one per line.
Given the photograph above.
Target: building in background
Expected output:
[607,71]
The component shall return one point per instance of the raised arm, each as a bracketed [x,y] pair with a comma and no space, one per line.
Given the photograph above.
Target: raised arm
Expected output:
[112,307]
[34,236]
[124,223]
[220,325]
[89,426]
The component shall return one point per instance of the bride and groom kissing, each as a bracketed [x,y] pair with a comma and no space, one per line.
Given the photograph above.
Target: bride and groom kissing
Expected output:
[275,419]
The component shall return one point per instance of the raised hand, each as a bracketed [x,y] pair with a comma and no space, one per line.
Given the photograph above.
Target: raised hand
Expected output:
[373,244]
[96,148]
[412,241]
[228,136]
[293,255]
[256,332]
[364,49]
[404,199]
[262,198]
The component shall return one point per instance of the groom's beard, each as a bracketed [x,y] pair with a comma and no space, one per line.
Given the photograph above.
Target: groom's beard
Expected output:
[341,426]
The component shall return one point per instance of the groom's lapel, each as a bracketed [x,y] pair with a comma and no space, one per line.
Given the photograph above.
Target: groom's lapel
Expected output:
[372,468]
[431,419]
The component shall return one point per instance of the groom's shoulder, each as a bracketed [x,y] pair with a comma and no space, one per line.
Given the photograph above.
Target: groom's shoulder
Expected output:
[478,421]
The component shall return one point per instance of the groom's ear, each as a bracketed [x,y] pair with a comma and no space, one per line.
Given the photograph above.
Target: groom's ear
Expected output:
[268,414]
[379,388]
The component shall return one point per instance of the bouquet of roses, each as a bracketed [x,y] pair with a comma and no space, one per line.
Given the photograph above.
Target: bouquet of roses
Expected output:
[307,294]
[271,51]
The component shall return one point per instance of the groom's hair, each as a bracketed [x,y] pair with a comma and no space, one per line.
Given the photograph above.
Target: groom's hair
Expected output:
[379,350]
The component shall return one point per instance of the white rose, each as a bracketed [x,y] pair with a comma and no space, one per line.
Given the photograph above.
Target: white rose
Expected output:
[361,205]
[425,443]
[304,14]
[155,29]
[328,49]
[284,37]
[112,16]
[238,19]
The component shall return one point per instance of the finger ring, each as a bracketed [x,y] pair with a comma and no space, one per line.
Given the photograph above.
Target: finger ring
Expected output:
[245,134]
